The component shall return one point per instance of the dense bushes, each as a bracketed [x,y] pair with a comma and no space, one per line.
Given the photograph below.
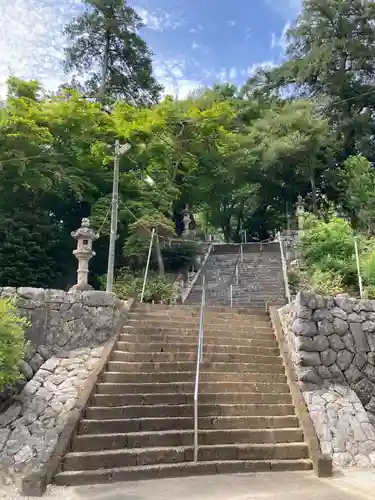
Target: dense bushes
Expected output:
[179,256]
[12,342]
[328,256]
[128,284]
[327,251]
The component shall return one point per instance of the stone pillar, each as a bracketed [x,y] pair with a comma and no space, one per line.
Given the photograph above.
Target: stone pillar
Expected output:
[84,252]
[186,220]
[300,212]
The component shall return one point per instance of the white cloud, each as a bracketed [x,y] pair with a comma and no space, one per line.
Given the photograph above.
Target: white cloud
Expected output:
[158,20]
[286,8]
[280,42]
[232,23]
[195,45]
[31,43]
[247,33]
[171,74]
[251,70]
[233,73]
[152,21]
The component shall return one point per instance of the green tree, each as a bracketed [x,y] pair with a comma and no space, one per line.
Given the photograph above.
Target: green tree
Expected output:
[330,59]
[105,48]
[358,179]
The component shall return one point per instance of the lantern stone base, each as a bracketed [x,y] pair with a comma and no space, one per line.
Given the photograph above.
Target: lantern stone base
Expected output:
[81,288]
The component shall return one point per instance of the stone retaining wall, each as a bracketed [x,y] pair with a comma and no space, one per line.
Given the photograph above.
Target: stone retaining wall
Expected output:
[66,337]
[29,429]
[62,321]
[332,344]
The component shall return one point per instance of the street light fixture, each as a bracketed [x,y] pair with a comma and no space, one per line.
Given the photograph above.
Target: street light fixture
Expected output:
[119,151]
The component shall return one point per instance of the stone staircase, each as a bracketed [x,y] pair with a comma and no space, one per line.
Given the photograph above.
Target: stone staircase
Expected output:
[260,277]
[139,422]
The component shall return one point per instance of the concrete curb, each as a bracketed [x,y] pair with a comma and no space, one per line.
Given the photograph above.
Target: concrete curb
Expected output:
[36,482]
[322,463]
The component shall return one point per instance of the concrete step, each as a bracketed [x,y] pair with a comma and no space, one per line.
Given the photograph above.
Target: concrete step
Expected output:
[142,334]
[125,425]
[98,442]
[190,357]
[181,399]
[188,387]
[209,324]
[187,410]
[194,314]
[237,320]
[272,365]
[82,477]
[209,339]
[165,377]
[146,349]
[196,309]
[91,460]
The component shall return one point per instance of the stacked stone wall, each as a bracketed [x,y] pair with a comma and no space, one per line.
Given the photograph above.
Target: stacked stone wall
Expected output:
[332,345]
[65,341]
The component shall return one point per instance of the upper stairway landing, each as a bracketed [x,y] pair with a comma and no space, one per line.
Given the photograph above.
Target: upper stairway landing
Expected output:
[260,277]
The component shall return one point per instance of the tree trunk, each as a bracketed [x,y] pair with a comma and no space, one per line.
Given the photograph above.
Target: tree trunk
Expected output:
[159,257]
[313,192]
[103,82]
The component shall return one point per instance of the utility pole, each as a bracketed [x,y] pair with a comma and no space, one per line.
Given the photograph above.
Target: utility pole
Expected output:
[119,151]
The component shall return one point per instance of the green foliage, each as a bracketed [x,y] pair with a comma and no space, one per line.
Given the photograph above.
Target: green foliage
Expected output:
[326,282]
[327,250]
[180,256]
[358,178]
[12,342]
[158,289]
[294,280]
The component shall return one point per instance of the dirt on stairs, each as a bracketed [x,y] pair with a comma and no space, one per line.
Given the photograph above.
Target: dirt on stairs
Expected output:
[139,423]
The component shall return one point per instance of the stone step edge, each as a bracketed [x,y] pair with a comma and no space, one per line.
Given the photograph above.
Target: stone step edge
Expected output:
[216,417]
[192,344]
[205,365]
[162,449]
[146,472]
[191,405]
[191,432]
[270,357]
[172,394]
[174,372]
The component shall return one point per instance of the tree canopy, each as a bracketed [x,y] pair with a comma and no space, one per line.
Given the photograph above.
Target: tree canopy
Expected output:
[239,157]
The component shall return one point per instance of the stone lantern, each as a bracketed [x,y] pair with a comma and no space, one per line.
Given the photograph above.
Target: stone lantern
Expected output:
[186,220]
[300,212]
[84,252]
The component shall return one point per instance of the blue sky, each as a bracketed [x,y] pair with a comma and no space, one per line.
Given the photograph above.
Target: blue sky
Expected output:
[195,42]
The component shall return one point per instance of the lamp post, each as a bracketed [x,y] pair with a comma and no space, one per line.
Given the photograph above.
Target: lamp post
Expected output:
[119,151]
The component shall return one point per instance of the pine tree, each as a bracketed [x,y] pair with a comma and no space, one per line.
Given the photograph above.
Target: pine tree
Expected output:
[105,49]
[330,58]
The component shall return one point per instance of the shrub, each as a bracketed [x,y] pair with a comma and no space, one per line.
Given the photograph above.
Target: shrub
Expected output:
[326,282]
[179,256]
[294,280]
[12,342]
[327,249]
[158,289]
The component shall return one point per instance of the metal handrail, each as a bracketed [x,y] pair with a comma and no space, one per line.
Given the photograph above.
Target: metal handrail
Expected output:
[199,361]
[147,265]
[285,269]
[235,274]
